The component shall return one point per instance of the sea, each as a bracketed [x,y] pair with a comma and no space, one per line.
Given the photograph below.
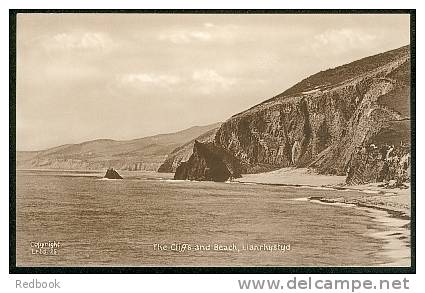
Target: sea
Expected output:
[76,218]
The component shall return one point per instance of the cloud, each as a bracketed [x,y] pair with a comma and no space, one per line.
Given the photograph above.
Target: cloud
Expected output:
[182,37]
[208,80]
[78,41]
[204,81]
[205,33]
[341,40]
[211,76]
[150,79]
[209,24]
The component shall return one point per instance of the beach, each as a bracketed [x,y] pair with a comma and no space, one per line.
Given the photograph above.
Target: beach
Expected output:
[394,200]
[390,208]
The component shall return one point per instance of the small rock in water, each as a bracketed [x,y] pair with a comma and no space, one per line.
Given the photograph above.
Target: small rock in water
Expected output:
[112,174]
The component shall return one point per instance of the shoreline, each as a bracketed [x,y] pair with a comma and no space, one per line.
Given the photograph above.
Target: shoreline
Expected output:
[396,201]
[395,237]
[393,213]
[389,209]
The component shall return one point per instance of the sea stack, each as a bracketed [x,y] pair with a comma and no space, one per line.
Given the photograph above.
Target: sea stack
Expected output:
[112,174]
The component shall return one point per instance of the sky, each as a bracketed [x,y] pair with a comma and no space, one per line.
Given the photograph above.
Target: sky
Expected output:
[124,76]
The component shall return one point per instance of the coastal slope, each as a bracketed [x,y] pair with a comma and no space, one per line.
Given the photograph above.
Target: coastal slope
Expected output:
[146,153]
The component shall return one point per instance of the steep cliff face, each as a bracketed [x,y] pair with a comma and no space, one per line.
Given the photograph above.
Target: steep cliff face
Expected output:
[326,120]
[209,162]
[183,153]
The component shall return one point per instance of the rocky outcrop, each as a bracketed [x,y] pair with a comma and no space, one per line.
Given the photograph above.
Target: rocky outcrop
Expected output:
[380,164]
[183,153]
[329,120]
[385,157]
[209,162]
[112,174]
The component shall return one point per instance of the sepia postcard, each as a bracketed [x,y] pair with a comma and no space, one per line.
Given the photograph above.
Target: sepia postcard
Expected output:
[198,141]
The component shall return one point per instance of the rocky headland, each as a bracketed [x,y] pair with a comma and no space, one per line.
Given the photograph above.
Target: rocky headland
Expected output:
[183,152]
[209,162]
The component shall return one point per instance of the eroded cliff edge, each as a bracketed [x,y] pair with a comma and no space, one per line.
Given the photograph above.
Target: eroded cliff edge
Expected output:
[352,120]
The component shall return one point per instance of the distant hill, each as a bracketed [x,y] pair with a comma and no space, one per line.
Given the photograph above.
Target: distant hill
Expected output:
[146,153]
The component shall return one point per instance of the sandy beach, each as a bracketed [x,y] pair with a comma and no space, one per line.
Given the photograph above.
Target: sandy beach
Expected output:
[388,208]
[394,200]
[394,231]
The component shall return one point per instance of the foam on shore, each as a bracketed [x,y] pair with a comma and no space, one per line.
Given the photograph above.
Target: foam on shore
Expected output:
[395,236]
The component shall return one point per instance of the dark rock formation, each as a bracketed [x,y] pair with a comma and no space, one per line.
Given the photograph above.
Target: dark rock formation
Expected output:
[329,120]
[183,153]
[209,162]
[112,174]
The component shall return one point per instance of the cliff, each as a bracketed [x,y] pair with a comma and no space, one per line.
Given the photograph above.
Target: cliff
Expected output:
[340,121]
[209,162]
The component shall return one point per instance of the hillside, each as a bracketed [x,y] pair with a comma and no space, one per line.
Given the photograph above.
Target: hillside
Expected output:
[138,154]
[350,120]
